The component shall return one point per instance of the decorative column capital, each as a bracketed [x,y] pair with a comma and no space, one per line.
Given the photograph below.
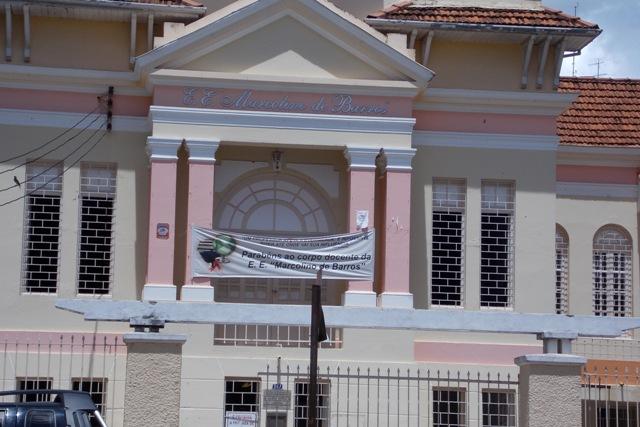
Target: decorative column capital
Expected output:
[399,159]
[165,149]
[202,150]
[362,158]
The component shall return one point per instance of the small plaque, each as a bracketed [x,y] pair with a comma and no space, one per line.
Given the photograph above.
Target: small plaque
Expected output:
[277,400]
[162,230]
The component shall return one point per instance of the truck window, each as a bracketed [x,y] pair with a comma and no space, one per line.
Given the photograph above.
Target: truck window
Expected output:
[40,418]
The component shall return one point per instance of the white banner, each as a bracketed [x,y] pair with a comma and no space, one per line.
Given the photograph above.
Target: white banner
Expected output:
[224,254]
[240,419]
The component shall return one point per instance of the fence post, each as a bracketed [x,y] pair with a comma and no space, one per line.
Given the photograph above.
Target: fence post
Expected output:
[152,387]
[549,389]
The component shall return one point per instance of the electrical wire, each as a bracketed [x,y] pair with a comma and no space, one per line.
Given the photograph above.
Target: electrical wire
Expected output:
[54,138]
[61,161]
[63,172]
[52,150]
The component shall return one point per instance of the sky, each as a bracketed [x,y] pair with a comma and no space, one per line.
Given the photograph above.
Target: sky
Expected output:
[618,47]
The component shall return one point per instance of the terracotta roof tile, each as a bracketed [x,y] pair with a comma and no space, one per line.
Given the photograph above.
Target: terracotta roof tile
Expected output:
[476,15]
[607,112]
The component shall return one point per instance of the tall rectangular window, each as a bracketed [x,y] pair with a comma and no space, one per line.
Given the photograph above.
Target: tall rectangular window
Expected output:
[41,240]
[241,401]
[497,244]
[95,257]
[447,246]
[449,407]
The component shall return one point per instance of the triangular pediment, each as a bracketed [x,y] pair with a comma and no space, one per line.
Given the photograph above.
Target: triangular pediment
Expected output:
[286,47]
[284,38]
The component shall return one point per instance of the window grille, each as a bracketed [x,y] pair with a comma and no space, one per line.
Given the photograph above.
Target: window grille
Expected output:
[447,256]
[95,249]
[449,407]
[497,244]
[41,228]
[612,252]
[34,383]
[242,400]
[498,408]
[97,389]
[562,271]
[301,403]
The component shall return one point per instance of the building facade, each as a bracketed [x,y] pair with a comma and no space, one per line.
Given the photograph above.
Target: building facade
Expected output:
[493,184]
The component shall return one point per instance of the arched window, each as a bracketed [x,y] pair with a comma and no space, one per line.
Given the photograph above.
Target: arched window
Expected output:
[612,285]
[274,202]
[562,270]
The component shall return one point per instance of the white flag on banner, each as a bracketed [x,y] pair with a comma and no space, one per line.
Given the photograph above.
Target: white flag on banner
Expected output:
[225,254]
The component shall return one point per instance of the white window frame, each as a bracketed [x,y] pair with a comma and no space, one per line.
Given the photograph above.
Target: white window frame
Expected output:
[98,183]
[498,199]
[257,393]
[300,402]
[506,416]
[448,198]
[562,270]
[612,270]
[43,180]
[99,397]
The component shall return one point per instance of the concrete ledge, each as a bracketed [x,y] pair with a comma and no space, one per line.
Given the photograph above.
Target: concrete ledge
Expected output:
[154,337]
[550,359]
[359,299]
[396,300]
[159,292]
[197,293]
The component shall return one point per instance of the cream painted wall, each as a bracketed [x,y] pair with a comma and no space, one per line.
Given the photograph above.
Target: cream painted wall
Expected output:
[68,43]
[484,66]
[285,47]
[534,176]
[582,219]
[37,312]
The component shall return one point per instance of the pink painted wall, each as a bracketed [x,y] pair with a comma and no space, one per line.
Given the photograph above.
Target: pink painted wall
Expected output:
[361,197]
[397,232]
[445,121]
[471,353]
[162,209]
[200,208]
[597,174]
[72,102]
[175,96]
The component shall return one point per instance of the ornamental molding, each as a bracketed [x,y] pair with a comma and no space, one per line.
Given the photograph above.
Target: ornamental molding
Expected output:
[57,119]
[202,150]
[597,191]
[163,148]
[361,158]
[281,120]
[399,160]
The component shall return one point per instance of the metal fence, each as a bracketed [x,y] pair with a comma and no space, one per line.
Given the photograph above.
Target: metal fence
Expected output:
[369,396]
[92,363]
[611,397]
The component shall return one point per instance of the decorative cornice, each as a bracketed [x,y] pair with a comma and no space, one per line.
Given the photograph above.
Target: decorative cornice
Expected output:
[163,149]
[202,150]
[281,120]
[361,158]
[599,156]
[485,140]
[492,101]
[399,160]
[597,191]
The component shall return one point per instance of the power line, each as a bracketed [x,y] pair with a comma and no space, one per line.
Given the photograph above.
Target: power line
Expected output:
[52,150]
[52,139]
[63,172]
[54,164]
